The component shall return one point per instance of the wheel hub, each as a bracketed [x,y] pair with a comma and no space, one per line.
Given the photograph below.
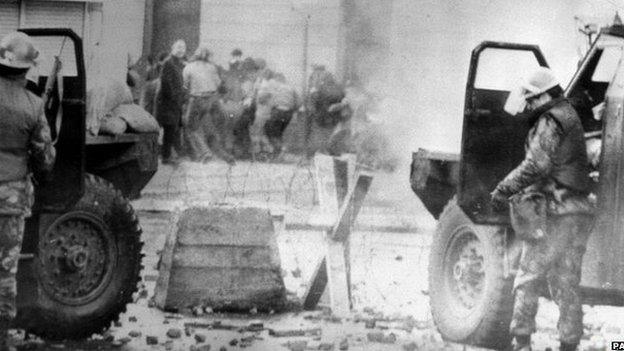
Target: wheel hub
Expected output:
[466,268]
[76,257]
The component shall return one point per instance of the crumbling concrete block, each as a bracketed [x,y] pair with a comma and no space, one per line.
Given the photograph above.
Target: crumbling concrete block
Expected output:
[225,257]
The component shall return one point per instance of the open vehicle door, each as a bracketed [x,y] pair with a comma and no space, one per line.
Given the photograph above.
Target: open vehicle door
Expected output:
[492,139]
[65,111]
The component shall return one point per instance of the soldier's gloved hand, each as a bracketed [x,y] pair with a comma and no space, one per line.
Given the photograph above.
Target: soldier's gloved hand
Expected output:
[499,200]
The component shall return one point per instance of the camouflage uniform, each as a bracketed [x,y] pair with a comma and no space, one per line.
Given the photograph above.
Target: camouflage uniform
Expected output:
[25,147]
[555,166]
[16,198]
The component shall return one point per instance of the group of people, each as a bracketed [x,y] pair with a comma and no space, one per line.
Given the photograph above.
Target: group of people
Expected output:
[206,110]
[240,112]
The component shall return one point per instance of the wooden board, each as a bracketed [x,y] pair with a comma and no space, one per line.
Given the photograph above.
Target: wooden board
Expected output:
[351,207]
[317,286]
[333,270]
[338,278]
[324,176]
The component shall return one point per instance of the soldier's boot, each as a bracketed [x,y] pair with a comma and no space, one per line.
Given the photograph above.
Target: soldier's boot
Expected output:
[567,347]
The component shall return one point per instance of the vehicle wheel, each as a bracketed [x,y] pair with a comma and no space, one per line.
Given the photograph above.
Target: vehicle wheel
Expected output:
[88,265]
[471,300]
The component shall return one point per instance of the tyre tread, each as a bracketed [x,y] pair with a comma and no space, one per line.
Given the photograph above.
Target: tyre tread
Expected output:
[493,330]
[47,324]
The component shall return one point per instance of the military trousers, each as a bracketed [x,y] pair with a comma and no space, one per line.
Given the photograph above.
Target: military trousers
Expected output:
[11,235]
[556,259]
[16,200]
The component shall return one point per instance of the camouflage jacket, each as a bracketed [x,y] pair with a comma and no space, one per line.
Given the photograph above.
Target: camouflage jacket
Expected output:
[547,141]
[16,197]
[25,141]
[25,146]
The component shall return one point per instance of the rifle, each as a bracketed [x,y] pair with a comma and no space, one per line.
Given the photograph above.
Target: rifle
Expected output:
[47,94]
[51,82]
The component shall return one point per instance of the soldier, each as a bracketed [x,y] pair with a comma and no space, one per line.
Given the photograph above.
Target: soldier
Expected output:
[25,147]
[550,210]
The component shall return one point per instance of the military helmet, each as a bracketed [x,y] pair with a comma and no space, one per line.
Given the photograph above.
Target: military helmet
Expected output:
[18,51]
[539,82]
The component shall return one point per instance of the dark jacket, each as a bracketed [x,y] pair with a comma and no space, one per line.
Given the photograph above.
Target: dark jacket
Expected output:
[149,95]
[25,142]
[321,99]
[555,152]
[170,98]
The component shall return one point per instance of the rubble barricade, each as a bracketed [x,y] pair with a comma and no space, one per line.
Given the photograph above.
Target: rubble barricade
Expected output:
[225,257]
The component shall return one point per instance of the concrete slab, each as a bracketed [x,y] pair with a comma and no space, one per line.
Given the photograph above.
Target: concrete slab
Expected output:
[224,257]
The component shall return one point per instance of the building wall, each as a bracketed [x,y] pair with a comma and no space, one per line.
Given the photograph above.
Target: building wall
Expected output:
[117,35]
[173,20]
[111,33]
[274,30]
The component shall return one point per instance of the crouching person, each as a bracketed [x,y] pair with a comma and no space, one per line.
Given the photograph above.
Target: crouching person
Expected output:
[25,147]
[285,101]
[550,210]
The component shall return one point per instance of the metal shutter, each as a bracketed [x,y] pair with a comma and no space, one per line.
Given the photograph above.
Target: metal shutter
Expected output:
[9,16]
[54,14]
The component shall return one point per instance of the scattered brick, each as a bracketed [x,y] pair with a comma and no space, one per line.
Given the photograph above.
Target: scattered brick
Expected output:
[174,333]
[200,338]
[151,340]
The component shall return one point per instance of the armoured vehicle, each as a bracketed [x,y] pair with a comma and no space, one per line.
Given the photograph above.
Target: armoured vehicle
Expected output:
[474,254]
[81,256]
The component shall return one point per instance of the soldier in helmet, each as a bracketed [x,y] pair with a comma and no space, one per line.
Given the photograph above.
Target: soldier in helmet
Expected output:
[550,209]
[25,148]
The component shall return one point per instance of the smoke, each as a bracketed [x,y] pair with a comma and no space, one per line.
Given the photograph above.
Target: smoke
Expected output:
[415,55]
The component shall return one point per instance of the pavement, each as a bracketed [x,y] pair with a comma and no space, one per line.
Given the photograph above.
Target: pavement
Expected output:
[389,252]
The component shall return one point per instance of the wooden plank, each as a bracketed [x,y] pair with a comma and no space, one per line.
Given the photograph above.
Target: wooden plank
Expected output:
[345,180]
[338,248]
[337,278]
[344,171]
[327,171]
[351,207]
[324,175]
[316,287]
[334,269]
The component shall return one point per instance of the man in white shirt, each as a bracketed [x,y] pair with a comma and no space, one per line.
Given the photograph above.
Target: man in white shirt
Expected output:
[201,81]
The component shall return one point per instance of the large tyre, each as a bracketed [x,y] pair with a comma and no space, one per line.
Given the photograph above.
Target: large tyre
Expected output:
[471,300]
[88,265]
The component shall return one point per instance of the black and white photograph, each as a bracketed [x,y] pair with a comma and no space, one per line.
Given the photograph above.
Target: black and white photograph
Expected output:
[375,175]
